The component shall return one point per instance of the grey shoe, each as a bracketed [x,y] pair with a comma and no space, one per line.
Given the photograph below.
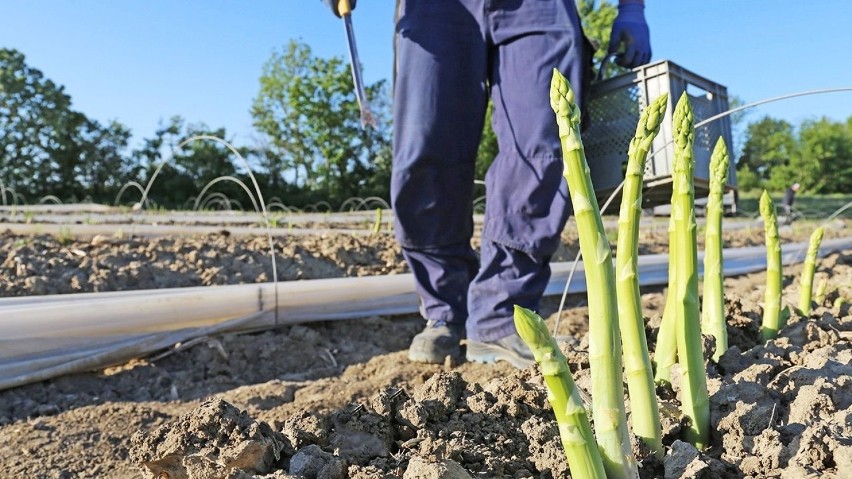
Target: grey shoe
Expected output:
[510,348]
[435,343]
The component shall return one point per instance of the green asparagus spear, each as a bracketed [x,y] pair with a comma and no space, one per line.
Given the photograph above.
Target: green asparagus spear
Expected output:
[581,450]
[713,320]
[665,355]
[807,281]
[640,377]
[694,397]
[604,337]
[772,301]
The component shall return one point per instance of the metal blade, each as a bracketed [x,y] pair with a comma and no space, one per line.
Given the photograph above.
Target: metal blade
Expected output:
[360,92]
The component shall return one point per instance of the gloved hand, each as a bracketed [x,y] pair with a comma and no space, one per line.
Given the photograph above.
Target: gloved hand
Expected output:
[630,27]
[332,4]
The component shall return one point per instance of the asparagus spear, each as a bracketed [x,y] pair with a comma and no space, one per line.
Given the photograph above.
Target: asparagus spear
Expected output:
[666,353]
[579,444]
[772,301]
[807,281]
[640,377]
[694,397]
[604,337]
[713,320]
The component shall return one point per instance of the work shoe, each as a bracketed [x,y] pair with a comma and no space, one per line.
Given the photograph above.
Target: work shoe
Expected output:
[435,343]
[510,348]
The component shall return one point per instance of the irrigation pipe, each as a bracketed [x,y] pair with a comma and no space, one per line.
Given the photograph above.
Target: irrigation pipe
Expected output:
[256,188]
[150,231]
[46,336]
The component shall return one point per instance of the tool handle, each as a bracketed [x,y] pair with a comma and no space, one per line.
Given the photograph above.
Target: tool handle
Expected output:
[343,8]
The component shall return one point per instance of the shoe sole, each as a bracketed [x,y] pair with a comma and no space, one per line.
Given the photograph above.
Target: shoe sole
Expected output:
[488,354]
[419,357]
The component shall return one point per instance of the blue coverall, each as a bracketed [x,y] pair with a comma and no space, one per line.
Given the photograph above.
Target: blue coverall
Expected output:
[450,55]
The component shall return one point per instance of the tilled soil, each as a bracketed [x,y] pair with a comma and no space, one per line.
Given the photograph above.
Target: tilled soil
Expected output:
[339,399]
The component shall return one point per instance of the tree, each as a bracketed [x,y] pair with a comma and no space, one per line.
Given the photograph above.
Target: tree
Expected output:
[205,160]
[823,163]
[307,108]
[192,162]
[488,147]
[597,18]
[819,156]
[102,165]
[35,115]
[770,143]
[49,148]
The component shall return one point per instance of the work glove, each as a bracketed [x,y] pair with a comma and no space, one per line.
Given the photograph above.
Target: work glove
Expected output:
[332,4]
[630,28]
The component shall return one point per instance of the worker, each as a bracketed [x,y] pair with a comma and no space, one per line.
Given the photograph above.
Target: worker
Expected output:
[789,198]
[451,55]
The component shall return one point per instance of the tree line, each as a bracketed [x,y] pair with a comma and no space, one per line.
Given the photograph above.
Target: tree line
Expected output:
[309,145]
[816,154]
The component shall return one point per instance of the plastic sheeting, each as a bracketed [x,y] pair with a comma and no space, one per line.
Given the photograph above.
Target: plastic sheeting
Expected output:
[48,336]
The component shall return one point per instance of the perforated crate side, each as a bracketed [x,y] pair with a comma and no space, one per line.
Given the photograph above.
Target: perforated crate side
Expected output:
[614,109]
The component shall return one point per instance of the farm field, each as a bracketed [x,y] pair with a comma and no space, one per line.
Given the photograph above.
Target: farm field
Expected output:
[340,399]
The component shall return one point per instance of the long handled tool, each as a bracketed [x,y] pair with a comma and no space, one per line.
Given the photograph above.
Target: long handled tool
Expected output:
[367,118]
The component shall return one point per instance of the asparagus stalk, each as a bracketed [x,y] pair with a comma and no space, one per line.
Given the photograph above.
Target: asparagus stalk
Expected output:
[604,337]
[807,282]
[581,450]
[377,225]
[640,377]
[713,310]
[666,353]
[821,291]
[694,397]
[772,300]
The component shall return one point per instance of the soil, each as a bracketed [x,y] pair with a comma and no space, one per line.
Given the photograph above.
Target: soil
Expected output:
[340,399]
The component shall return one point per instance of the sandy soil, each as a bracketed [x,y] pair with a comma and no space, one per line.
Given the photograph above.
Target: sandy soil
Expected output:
[340,399]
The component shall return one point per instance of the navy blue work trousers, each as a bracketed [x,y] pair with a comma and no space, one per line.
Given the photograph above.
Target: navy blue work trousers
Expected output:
[450,55]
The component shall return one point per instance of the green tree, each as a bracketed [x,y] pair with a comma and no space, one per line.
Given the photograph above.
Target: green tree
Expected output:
[103,164]
[488,147]
[204,160]
[823,163]
[191,163]
[35,116]
[597,18]
[770,144]
[307,108]
[46,146]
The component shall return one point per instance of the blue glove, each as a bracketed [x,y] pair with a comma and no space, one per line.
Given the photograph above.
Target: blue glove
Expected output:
[630,28]
[332,4]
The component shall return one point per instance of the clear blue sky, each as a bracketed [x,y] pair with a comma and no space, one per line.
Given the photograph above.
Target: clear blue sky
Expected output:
[142,61]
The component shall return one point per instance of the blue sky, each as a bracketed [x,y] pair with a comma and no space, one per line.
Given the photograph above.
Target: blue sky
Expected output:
[142,61]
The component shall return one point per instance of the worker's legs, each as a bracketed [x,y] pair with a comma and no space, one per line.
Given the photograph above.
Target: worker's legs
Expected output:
[439,104]
[526,199]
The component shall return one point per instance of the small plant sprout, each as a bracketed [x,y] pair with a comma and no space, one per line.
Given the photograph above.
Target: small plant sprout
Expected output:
[713,310]
[637,362]
[694,397]
[821,291]
[807,280]
[377,226]
[772,300]
[581,450]
[604,336]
